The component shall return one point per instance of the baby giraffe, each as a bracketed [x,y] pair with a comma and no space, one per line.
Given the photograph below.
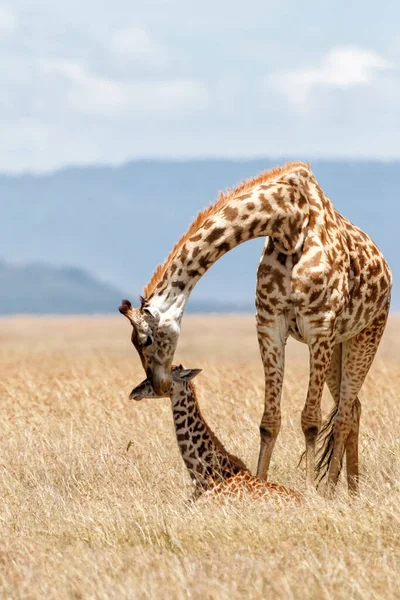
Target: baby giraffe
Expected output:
[212,468]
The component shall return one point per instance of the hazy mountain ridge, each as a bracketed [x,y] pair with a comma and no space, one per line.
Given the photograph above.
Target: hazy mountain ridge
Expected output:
[42,289]
[35,288]
[118,223]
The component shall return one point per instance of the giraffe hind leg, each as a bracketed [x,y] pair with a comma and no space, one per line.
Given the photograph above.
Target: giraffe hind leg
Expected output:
[326,440]
[352,449]
[325,437]
[332,379]
[325,450]
[358,354]
[343,427]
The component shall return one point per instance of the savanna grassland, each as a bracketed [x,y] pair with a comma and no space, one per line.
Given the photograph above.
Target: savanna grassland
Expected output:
[94,496]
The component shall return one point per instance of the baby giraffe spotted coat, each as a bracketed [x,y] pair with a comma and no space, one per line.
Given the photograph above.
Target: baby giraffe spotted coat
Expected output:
[212,468]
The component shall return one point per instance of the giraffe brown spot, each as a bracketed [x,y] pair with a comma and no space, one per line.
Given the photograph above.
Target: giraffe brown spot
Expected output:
[315,295]
[279,278]
[374,269]
[372,292]
[223,248]
[315,260]
[238,234]
[253,226]
[279,196]
[277,224]
[230,212]
[205,261]
[274,301]
[215,234]
[303,173]
[195,238]
[318,279]
[265,204]
[193,273]
[358,314]
[183,254]
[267,186]
[295,259]
[281,258]
[302,201]
[202,448]
[383,283]
[209,223]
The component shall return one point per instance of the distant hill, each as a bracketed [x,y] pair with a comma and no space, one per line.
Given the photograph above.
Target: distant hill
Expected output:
[118,223]
[43,289]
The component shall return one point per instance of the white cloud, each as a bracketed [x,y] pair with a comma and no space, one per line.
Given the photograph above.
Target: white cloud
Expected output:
[92,94]
[8,20]
[342,67]
[135,43]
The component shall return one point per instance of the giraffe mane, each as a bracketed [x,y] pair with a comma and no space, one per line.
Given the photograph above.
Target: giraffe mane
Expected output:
[212,209]
[233,459]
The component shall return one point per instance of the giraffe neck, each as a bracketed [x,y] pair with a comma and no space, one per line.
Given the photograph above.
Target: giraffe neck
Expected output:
[203,454]
[276,208]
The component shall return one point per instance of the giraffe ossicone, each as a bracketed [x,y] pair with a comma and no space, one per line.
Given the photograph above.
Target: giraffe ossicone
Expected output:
[320,279]
[211,467]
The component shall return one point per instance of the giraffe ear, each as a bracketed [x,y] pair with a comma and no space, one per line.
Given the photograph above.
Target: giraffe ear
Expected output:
[185,374]
[147,309]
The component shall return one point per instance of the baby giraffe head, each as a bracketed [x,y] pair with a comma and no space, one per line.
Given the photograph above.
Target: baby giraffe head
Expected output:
[179,376]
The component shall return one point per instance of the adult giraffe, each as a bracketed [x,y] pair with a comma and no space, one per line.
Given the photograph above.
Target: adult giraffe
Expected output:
[320,279]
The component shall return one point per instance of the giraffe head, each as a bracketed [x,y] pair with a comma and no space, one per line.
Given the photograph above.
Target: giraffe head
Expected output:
[180,377]
[155,338]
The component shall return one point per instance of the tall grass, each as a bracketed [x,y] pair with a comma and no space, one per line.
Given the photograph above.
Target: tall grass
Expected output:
[94,498]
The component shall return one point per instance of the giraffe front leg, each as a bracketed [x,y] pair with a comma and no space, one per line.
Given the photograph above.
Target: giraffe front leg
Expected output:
[272,340]
[321,351]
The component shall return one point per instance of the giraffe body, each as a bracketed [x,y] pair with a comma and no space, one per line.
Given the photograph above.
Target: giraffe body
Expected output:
[320,279]
[213,469]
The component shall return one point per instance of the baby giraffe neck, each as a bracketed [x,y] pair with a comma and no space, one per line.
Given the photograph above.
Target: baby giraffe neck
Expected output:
[203,454]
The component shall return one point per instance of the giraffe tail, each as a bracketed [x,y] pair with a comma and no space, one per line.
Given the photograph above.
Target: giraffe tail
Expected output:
[325,449]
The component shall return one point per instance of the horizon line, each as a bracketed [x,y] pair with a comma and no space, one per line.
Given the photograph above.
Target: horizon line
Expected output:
[194,159]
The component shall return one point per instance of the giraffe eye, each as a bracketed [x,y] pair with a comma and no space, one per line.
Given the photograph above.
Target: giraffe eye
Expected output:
[149,341]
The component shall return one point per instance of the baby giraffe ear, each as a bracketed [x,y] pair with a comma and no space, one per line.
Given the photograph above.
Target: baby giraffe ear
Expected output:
[143,390]
[186,374]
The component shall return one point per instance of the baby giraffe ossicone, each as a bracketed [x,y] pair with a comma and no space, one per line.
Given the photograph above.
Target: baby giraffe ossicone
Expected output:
[212,468]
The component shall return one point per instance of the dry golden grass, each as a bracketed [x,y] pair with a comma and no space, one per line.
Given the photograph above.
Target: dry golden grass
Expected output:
[83,517]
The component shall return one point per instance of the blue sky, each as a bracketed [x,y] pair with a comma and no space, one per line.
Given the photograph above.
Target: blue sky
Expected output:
[94,81]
